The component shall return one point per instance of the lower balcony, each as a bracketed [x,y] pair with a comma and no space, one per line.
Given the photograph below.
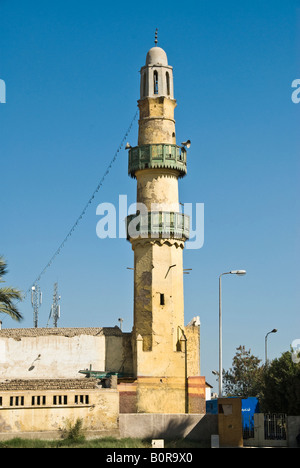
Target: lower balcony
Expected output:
[160,224]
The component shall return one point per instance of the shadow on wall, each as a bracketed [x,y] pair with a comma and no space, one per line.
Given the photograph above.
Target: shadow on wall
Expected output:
[32,365]
[185,427]
[193,427]
[118,351]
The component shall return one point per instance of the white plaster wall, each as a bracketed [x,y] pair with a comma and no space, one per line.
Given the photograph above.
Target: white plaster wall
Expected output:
[52,356]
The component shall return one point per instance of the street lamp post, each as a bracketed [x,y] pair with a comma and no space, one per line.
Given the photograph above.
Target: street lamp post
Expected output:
[232,272]
[266,344]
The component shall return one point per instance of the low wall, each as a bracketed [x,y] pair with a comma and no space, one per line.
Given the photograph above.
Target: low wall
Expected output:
[44,407]
[198,427]
[293,430]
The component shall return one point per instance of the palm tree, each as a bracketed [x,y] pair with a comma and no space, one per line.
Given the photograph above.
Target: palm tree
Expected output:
[8,295]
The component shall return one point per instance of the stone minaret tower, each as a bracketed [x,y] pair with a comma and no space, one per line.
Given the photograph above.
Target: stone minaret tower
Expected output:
[157,233]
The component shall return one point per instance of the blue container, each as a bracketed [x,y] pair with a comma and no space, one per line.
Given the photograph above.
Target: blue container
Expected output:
[212,406]
[250,406]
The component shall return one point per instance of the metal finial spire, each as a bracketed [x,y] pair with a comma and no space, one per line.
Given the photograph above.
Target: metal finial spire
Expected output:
[156,37]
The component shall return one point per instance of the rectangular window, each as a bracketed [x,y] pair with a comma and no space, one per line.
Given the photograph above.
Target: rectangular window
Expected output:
[60,400]
[162,299]
[16,401]
[81,399]
[38,400]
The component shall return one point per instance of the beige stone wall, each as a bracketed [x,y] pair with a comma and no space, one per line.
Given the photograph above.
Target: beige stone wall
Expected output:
[158,277]
[47,406]
[166,352]
[161,395]
[157,124]
[192,333]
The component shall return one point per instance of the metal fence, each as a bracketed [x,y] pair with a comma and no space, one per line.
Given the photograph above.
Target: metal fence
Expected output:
[275,426]
[248,425]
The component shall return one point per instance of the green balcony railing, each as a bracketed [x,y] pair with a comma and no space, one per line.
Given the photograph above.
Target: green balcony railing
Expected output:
[160,224]
[156,157]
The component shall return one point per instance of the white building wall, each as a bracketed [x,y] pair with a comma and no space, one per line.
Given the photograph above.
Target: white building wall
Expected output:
[62,354]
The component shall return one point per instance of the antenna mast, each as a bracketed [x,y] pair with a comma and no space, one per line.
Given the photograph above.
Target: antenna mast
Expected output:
[36,302]
[55,308]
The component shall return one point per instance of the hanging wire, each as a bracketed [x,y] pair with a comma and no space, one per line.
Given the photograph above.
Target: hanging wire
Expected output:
[83,212]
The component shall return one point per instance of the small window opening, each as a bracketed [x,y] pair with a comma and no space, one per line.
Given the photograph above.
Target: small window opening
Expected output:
[155,79]
[168,83]
[162,299]
[144,84]
[178,346]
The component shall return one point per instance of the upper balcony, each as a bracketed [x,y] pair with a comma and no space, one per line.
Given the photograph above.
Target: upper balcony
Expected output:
[157,156]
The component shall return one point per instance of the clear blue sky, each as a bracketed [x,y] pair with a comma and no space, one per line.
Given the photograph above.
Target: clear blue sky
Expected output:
[72,77]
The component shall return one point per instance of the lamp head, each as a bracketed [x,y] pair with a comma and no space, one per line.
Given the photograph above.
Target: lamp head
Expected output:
[238,272]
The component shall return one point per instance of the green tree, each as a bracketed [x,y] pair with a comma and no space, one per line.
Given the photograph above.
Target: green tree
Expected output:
[281,386]
[8,295]
[244,378]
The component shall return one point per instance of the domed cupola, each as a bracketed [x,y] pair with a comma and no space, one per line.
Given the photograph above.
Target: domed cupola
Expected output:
[157,75]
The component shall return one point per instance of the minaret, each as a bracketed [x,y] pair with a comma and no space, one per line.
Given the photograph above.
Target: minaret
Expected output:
[157,233]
